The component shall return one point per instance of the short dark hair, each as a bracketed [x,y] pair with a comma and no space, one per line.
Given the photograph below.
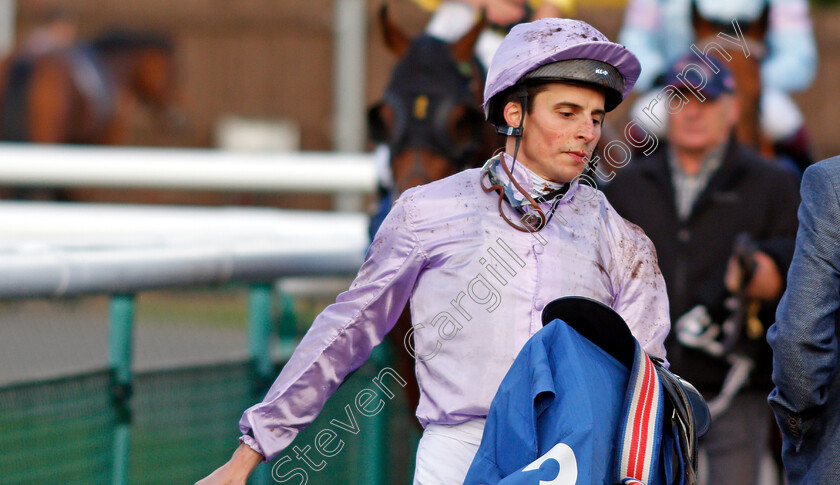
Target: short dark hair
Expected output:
[511,95]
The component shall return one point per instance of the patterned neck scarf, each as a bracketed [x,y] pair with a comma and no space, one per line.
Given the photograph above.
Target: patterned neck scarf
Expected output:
[540,189]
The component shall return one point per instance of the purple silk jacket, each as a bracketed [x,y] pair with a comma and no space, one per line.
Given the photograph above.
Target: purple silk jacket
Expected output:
[477,289]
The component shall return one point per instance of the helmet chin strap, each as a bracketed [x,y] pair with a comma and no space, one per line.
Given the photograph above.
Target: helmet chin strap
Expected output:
[538,214]
[522,94]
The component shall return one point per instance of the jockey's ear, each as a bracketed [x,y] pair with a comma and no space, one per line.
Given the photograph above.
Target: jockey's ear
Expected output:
[513,113]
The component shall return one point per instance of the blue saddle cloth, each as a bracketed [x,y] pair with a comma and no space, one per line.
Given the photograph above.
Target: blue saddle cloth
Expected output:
[559,415]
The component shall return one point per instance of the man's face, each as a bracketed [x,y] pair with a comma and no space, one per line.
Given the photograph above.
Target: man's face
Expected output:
[561,130]
[702,126]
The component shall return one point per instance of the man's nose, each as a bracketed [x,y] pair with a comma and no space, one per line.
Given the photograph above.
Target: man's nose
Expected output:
[693,107]
[586,131]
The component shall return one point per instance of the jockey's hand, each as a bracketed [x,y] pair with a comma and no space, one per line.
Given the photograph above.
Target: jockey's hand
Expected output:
[237,470]
[766,283]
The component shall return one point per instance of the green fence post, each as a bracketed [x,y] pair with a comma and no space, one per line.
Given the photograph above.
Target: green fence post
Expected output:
[287,332]
[259,333]
[122,323]
[374,450]
[374,462]
[122,438]
[259,344]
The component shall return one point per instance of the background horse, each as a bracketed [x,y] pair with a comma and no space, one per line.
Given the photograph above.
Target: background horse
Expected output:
[745,70]
[431,120]
[430,115]
[86,92]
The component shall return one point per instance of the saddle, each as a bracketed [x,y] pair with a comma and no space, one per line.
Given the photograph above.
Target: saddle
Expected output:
[686,413]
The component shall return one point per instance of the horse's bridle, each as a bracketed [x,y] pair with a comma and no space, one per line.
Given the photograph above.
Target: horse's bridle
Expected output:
[436,112]
[430,132]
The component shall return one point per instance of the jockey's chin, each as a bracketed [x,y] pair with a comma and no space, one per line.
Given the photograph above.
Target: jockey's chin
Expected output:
[568,167]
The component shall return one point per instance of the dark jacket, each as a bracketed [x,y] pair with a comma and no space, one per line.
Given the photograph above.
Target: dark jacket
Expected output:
[746,194]
[804,339]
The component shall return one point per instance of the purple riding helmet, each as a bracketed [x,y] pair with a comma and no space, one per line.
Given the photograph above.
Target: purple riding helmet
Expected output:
[554,49]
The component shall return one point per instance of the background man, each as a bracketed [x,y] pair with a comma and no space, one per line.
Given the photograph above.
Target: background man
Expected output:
[693,196]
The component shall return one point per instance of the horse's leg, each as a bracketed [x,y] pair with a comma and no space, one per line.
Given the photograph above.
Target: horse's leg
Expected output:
[50,103]
[50,107]
[115,130]
[114,133]
[5,65]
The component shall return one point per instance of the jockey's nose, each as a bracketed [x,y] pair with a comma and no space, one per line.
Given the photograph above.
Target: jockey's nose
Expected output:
[586,131]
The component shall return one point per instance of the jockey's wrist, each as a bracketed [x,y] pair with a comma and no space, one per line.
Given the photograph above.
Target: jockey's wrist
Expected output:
[245,459]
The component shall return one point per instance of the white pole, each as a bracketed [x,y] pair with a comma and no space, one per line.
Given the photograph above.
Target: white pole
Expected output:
[186,169]
[7,26]
[349,45]
[49,249]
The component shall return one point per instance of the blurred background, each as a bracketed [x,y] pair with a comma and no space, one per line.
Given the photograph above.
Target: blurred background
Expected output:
[276,62]
[143,381]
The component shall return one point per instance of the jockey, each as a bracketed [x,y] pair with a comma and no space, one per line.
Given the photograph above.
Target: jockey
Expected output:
[659,32]
[479,254]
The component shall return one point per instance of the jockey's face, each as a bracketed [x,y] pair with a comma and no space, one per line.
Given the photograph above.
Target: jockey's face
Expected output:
[560,132]
[702,126]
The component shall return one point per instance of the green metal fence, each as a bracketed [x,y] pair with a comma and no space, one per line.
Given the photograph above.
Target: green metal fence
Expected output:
[176,426]
[183,424]
[57,432]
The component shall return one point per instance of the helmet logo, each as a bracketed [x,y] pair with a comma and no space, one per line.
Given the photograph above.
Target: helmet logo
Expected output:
[421,106]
